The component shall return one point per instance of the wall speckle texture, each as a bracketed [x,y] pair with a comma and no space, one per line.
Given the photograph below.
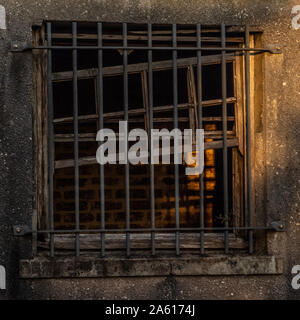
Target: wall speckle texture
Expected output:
[277,170]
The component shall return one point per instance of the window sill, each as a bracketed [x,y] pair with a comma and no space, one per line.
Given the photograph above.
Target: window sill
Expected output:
[93,267]
[142,241]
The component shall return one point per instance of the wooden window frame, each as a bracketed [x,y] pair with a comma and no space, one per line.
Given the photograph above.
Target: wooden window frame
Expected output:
[164,241]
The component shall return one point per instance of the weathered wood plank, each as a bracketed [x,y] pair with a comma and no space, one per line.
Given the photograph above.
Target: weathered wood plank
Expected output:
[69,137]
[143,241]
[139,67]
[59,164]
[133,112]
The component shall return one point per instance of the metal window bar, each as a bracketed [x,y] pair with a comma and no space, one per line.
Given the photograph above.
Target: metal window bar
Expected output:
[153,230]
[248,139]
[200,124]
[101,126]
[225,151]
[76,143]
[27,47]
[150,126]
[175,102]
[50,138]
[127,178]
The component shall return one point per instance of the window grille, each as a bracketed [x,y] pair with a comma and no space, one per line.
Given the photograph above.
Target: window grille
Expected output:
[189,49]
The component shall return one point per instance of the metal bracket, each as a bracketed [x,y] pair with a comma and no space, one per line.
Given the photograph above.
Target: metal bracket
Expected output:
[274,48]
[16,46]
[278,226]
[22,230]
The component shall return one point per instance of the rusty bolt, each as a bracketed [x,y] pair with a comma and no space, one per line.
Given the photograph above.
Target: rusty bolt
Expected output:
[281,226]
[18,229]
[16,46]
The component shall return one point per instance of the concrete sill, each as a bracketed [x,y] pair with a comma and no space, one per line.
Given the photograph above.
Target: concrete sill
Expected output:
[93,267]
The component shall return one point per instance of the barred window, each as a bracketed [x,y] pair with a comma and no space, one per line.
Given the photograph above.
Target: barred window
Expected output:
[90,76]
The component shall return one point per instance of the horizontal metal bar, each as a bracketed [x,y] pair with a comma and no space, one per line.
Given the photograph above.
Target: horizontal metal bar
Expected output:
[20,48]
[22,230]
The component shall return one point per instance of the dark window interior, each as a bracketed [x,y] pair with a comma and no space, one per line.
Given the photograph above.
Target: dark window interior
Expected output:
[113,94]
[113,102]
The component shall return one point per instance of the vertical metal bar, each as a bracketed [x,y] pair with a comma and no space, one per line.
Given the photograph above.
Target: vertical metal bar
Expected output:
[101,126]
[150,126]
[127,182]
[175,101]
[248,138]
[50,137]
[200,124]
[76,148]
[225,151]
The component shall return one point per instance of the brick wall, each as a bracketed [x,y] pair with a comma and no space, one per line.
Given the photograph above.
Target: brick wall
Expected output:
[139,194]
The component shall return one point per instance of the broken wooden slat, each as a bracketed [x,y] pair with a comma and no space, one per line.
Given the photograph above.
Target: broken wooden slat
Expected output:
[217,119]
[59,164]
[139,120]
[80,118]
[206,103]
[70,137]
[139,67]
[85,137]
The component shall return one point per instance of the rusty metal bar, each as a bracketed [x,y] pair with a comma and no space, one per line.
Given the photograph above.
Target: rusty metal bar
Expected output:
[175,102]
[150,126]
[248,138]
[101,126]
[200,126]
[127,179]
[276,226]
[50,138]
[225,151]
[275,50]
[76,145]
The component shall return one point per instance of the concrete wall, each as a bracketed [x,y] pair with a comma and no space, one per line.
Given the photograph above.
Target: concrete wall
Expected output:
[277,145]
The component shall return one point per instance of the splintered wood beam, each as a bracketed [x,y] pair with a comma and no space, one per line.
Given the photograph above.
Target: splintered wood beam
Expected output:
[82,118]
[60,164]
[119,114]
[70,137]
[91,137]
[139,67]
[140,120]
